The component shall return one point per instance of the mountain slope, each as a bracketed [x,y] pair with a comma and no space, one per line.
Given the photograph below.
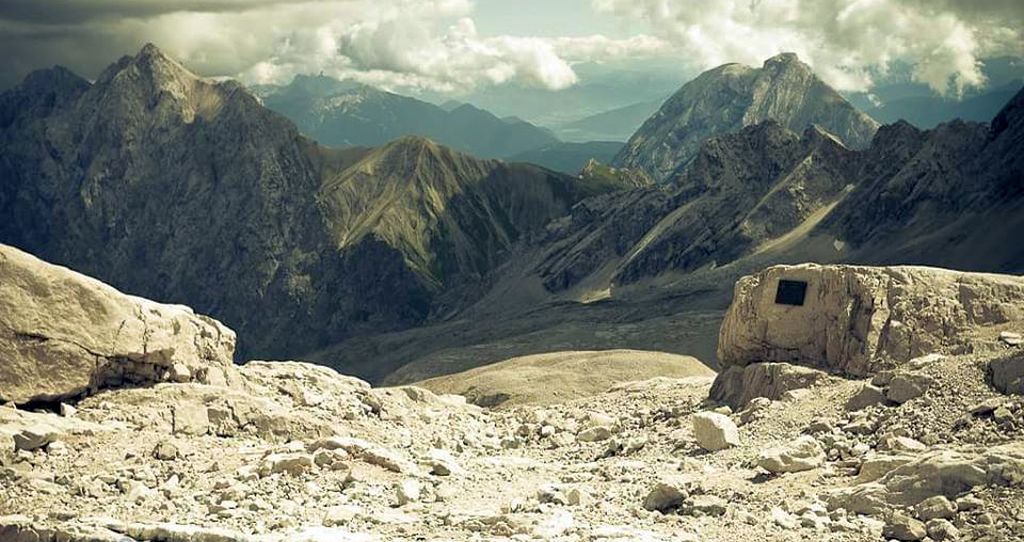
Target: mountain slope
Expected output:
[727,98]
[184,190]
[344,113]
[951,196]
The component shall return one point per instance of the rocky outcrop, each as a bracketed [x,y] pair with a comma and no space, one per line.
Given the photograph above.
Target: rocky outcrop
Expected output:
[63,334]
[727,98]
[858,320]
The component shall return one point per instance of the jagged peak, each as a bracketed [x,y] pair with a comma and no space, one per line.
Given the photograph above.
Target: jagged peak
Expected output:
[785,62]
[152,62]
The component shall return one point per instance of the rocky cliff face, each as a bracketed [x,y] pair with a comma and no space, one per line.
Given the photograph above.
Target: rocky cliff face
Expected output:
[727,98]
[180,189]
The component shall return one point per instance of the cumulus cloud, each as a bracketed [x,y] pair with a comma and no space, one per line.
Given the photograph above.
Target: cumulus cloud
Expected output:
[848,42]
[428,44]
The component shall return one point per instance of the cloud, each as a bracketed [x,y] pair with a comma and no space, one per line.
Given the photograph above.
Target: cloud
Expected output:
[848,42]
[426,44]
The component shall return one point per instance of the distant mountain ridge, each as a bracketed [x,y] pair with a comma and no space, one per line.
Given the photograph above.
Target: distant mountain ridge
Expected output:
[952,197]
[344,113]
[732,96]
[181,189]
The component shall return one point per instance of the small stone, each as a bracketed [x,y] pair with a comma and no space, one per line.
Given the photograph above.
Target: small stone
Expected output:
[902,527]
[708,505]
[714,431]
[1010,338]
[802,454]
[1002,414]
[594,434]
[665,496]
[288,463]
[986,407]
[180,373]
[968,503]
[868,395]
[905,387]
[35,437]
[67,410]
[900,444]
[941,529]
[191,419]
[785,519]
[408,491]
[165,451]
[340,515]
[937,507]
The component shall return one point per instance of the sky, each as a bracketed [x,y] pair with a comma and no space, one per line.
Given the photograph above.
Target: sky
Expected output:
[458,46]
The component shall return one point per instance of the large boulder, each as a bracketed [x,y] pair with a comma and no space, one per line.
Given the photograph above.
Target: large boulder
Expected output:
[856,320]
[1007,374]
[63,334]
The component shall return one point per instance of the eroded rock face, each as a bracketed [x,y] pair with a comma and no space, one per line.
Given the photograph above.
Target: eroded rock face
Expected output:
[858,320]
[738,385]
[63,334]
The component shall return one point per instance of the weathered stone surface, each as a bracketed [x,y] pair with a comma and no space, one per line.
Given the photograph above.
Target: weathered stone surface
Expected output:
[858,320]
[738,385]
[63,334]
[1007,374]
[665,496]
[937,507]
[903,527]
[868,395]
[714,431]
[369,452]
[35,437]
[907,387]
[292,464]
[802,454]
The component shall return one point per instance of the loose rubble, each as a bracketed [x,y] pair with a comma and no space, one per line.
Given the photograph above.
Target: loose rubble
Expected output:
[922,448]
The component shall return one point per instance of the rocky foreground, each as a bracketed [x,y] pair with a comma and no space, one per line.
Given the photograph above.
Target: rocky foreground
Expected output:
[885,405]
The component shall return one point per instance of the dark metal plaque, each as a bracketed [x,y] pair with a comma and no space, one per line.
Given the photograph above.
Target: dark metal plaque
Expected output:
[791,292]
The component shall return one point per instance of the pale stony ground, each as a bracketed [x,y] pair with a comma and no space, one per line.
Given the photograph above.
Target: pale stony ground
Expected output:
[147,463]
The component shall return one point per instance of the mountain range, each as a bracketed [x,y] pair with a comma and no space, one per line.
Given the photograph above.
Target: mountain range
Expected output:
[344,113]
[182,189]
[186,190]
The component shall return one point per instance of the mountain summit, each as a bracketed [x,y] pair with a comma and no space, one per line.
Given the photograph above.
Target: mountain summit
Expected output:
[727,98]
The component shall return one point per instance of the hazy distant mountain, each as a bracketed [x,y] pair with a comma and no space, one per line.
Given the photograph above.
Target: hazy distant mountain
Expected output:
[180,189]
[896,96]
[601,88]
[725,99]
[951,196]
[570,157]
[615,125]
[930,111]
[340,113]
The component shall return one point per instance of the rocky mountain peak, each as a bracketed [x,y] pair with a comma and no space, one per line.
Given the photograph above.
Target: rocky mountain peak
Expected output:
[729,97]
[783,61]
